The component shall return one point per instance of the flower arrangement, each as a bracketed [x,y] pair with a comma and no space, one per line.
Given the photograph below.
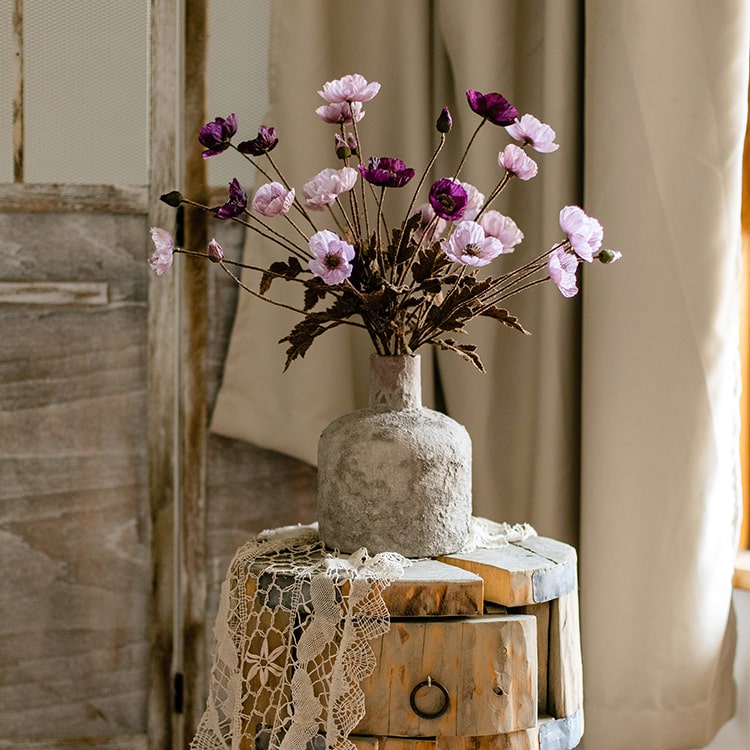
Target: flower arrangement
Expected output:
[408,284]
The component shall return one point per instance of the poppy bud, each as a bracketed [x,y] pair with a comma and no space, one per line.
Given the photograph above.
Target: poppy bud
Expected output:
[444,122]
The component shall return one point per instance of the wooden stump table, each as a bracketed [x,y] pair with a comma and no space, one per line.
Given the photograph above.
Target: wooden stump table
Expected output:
[483,653]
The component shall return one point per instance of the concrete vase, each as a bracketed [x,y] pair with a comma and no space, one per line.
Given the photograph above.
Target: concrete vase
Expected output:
[395,476]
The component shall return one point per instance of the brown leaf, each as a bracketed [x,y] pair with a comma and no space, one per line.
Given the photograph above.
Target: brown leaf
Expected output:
[501,314]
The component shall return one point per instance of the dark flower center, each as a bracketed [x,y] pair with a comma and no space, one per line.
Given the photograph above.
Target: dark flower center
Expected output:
[332,261]
[472,250]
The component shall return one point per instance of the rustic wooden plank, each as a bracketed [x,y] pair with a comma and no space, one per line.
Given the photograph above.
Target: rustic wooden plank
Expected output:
[18,90]
[431,588]
[487,666]
[517,574]
[560,578]
[524,739]
[90,742]
[165,729]
[541,612]
[54,198]
[54,293]
[363,742]
[565,675]
[560,734]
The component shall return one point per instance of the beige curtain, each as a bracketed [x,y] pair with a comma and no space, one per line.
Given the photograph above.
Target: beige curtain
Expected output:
[624,411]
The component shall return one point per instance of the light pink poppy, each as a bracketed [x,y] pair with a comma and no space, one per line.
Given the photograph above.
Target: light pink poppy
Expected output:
[323,189]
[562,266]
[469,246]
[538,135]
[161,259]
[350,88]
[273,199]
[584,232]
[341,113]
[503,228]
[516,161]
[332,257]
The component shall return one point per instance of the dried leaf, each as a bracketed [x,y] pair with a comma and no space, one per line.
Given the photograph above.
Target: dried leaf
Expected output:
[501,314]
[467,351]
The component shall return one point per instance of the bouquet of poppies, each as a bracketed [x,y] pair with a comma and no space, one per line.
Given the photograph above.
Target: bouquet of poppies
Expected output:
[407,284]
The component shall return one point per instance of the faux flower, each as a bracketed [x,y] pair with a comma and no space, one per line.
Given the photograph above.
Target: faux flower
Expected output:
[161,259]
[469,246]
[341,113]
[516,161]
[350,88]
[385,171]
[332,257]
[215,251]
[448,199]
[493,107]
[216,135]
[536,134]
[235,205]
[474,201]
[323,189]
[503,228]
[408,279]
[264,142]
[561,266]
[444,122]
[272,199]
[584,232]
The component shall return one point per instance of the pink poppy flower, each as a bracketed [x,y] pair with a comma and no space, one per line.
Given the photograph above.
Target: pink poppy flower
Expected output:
[503,228]
[516,161]
[341,113]
[273,199]
[332,257]
[561,266]
[584,232]
[323,189]
[469,246]
[474,201]
[161,260]
[537,134]
[350,88]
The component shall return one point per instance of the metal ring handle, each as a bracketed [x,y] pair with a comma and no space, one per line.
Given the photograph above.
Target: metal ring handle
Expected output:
[429,682]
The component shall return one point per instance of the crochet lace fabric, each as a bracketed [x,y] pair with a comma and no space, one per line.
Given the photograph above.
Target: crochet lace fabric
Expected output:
[292,640]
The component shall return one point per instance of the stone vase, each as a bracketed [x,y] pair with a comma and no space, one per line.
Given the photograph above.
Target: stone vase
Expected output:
[395,476]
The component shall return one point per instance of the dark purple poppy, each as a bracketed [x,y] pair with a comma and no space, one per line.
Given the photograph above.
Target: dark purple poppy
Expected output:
[493,107]
[236,204]
[216,135]
[264,142]
[448,199]
[386,171]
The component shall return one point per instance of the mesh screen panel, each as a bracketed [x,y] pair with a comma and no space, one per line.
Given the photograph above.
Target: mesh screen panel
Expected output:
[86,91]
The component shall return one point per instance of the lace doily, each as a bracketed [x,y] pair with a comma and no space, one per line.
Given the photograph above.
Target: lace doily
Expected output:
[291,639]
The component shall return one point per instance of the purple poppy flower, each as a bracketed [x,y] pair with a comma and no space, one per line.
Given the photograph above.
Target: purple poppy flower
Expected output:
[562,266]
[584,233]
[516,161]
[264,142]
[537,134]
[350,88]
[448,199]
[332,257]
[216,135]
[386,171]
[493,107]
[469,246]
[236,204]
[161,260]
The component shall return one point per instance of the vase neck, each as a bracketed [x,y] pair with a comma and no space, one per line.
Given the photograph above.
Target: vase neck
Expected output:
[395,382]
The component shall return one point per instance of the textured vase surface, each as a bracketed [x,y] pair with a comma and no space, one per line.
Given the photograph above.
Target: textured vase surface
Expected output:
[395,476]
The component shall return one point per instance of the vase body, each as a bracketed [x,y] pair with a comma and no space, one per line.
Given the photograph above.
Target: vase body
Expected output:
[395,476]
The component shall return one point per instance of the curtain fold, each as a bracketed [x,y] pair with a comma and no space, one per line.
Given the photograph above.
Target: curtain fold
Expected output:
[614,425]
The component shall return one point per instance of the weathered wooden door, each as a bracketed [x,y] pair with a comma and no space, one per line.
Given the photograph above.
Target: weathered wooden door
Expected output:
[118,510]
